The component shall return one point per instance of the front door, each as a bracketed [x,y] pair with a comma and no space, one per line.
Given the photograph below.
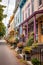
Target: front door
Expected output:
[41,31]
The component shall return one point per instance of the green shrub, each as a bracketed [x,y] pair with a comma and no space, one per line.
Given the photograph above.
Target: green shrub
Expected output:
[17,40]
[30,41]
[35,61]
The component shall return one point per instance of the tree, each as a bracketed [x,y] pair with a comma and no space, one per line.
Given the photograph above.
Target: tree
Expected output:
[0,0]
[1,12]
[2,29]
[2,26]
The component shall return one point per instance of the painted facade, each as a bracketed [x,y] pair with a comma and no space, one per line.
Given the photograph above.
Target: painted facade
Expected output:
[11,24]
[32,11]
[30,7]
[17,17]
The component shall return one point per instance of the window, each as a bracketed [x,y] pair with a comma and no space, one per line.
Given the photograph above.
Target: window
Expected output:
[31,27]
[32,5]
[18,20]
[42,28]
[40,2]
[28,11]
[26,15]
[23,16]
[21,30]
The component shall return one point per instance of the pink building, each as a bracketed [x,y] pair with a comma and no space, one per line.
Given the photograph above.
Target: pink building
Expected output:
[32,19]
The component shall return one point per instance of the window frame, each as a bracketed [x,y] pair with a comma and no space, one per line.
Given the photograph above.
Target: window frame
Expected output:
[40,2]
[32,3]
[28,11]
[42,28]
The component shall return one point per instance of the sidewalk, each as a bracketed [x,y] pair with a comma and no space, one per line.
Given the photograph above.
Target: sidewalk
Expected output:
[15,54]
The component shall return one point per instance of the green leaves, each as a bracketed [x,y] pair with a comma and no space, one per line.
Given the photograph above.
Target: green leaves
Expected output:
[2,6]
[2,29]
[0,0]
[35,61]
[1,12]
[30,41]
[2,26]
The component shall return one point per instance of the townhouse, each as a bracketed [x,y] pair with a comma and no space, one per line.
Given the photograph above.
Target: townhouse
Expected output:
[32,18]
[11,25]
[17,17]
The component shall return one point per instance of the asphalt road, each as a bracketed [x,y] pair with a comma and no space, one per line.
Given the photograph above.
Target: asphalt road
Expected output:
[6,56]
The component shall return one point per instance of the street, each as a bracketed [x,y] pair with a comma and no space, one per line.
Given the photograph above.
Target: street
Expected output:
[6,56]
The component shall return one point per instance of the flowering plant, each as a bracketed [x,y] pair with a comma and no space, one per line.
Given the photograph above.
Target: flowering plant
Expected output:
[20,44]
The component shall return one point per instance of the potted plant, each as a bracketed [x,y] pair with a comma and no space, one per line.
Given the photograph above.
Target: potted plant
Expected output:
[32,33]
[16,32]
[11,40]
[30,41]
[16,40]
[35,61]
[27,50]
[27,53]
[20,46]
[22,35]
[34,45]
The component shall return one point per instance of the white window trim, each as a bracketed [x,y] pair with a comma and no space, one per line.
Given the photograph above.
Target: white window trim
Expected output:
[28,13]
[40,5]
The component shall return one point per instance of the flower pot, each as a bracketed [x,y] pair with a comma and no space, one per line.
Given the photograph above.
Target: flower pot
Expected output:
[27,56]
[21,47]
[24,57]
[26,52]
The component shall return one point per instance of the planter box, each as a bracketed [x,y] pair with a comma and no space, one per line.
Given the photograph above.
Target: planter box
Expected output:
[26,52]
[20,50]
[27,56]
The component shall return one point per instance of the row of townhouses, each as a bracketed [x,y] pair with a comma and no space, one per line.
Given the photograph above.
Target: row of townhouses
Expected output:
[28,17]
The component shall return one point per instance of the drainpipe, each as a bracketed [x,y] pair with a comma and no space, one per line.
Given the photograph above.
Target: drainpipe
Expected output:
[35,28]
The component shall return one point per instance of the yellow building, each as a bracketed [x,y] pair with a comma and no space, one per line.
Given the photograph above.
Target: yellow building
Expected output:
[11,25]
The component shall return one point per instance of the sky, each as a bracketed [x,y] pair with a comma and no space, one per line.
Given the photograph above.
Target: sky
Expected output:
[8,10]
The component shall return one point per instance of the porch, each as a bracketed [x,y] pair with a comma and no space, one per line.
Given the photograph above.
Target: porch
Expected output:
[34,24]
